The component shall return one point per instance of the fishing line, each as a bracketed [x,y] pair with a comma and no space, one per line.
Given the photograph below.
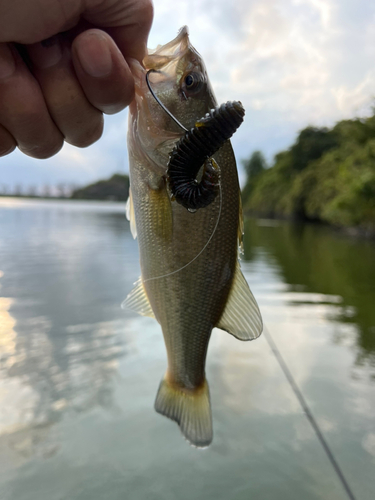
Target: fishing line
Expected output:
[308,413]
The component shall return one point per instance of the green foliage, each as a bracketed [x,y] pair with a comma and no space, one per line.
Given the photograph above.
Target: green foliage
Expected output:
[344,189]
[311,144]
[254,166]
[267,197]
[327,175]
[116,189]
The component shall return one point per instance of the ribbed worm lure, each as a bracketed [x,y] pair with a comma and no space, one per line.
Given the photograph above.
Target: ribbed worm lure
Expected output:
[195,149]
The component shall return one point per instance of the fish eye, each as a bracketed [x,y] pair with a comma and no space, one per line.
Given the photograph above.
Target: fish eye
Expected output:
[193,82]
[189,81]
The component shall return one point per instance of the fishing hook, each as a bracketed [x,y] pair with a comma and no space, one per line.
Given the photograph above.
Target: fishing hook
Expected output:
[158,100]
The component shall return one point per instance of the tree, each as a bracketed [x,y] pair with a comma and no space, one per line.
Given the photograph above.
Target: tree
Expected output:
[116,189]
[311,144]
[255,165]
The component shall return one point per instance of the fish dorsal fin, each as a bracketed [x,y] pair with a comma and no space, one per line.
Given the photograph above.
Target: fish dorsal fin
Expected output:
[241,317]
[137,301]
[130,214]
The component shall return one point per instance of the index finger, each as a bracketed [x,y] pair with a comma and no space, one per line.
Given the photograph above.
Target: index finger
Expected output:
[129,25]
[127,21]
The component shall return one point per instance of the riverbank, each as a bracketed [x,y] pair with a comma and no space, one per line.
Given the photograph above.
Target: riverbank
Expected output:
[350,232]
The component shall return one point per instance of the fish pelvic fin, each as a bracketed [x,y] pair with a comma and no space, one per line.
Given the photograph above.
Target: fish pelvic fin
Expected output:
[137,301]
[241,317]
[191,409]
[130,214]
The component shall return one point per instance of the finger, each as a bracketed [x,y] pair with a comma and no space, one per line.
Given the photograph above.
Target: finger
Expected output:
[128,23]
[30,21]
[78,120]
[23,111]
[7,142]
[102,71]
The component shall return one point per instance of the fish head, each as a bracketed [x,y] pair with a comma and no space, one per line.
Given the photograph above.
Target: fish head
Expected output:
[179,79]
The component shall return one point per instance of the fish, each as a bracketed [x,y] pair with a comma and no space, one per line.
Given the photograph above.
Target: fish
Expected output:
[191,280]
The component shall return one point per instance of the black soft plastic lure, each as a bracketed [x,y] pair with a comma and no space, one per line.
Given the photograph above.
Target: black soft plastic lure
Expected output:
[195,149]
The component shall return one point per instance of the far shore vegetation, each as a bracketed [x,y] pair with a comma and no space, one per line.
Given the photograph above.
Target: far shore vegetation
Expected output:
[327,176]
[116,188]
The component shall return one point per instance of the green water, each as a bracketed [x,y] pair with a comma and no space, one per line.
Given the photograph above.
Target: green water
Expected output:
[78,375]
[318,259]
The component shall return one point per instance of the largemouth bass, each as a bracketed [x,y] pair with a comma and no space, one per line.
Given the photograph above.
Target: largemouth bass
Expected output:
[191,279]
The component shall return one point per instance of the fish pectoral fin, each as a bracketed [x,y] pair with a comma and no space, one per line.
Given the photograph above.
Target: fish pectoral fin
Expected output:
[190,409]
[130,214]
[137,301]
[241,317]
[241,229]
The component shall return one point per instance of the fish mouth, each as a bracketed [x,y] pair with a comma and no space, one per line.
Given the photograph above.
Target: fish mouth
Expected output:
[163,57]
[148,118]
[160,57]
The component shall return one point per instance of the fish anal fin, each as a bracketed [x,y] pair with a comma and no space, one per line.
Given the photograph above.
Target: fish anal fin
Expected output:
[241,317]
[137,301]
[130,214]
[191,410]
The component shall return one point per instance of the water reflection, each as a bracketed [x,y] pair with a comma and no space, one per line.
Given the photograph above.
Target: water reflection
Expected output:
[62,335]
[40,382]
[325,267]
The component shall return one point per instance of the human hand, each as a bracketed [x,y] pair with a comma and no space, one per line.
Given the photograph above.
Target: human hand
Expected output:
[73,68]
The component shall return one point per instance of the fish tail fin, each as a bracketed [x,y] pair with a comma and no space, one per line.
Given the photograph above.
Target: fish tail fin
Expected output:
[191,409]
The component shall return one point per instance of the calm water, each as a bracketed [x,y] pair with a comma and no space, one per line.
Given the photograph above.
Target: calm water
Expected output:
[78,375]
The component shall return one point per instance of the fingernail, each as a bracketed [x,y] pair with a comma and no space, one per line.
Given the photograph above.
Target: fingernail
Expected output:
[7,62]
[94,55]
[46,53]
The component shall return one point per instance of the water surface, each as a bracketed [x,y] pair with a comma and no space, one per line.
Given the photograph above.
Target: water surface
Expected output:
[78,375]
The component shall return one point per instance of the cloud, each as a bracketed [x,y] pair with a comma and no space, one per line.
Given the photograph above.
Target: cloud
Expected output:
[349,98]
[292,63]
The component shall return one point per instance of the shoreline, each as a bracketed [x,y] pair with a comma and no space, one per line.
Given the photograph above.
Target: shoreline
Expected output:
[350,231]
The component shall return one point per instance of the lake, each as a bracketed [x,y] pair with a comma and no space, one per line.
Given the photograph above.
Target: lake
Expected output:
[79,375]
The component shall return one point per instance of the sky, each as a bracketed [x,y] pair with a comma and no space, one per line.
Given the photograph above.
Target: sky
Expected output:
[292,63]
